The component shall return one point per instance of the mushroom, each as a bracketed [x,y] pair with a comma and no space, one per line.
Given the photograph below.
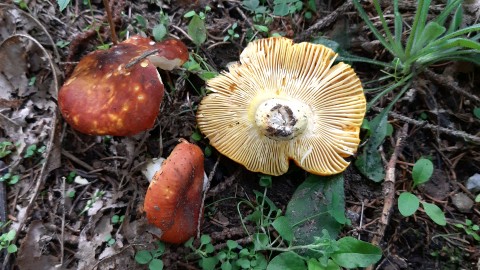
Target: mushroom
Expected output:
[174,199]
[118,91]
[285,101]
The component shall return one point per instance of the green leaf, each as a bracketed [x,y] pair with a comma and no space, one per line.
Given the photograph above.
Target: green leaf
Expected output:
[435,213]
[369,163]
[261,241]
[205,239]
[281,9]
[143,257]
[12,248]
[155,264]
[10,235]
[431,32]
[287,261]
[196,136]
[232,244]
[476,112]
[62,4]
[356,253]
[251,5]
[314,264]
[307,221]
[408,204]
[284,228]
[197,30]
[208,263]
[159,32]
[422,171]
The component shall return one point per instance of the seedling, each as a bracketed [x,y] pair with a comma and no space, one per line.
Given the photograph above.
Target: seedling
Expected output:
[152,258]
[408,203]
[7,238]
[96,195]
[470,229]
[196,27]
[286,7]
[231,33]
[116,219]
[6,148]
[11,179]
[33,149]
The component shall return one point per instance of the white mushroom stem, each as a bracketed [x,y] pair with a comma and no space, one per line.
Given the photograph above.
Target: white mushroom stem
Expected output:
[282,120]
[155,164]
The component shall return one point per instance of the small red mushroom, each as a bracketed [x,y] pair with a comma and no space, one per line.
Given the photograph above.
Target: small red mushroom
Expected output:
[118,91]
[174,198]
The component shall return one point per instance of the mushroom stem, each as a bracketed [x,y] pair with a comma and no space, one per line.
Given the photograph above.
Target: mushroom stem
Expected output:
[113,34]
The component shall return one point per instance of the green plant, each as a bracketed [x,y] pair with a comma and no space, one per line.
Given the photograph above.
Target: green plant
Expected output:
[95,196]
[6,148]
[476,112]
[286,7]
[408,203]
[34,149]
[261,18]
[7,238]
[116,219]
[151,257]
[10,178]
[231,33]
[196,27]
[160,31]
[428,42]
[470,229]
[302,237]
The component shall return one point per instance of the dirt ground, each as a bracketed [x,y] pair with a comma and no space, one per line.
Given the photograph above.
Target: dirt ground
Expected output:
[52,207]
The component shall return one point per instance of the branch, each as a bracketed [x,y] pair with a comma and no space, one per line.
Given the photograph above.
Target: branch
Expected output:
[424,124]
[325,22]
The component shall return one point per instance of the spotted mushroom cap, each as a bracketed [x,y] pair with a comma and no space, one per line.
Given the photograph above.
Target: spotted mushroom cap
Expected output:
[285,101]
[104,96]
[173,201]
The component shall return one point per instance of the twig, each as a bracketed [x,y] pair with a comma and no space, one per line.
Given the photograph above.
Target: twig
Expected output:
[204,196]
[325,22]
[77,160]
[140,58]
[451,86]
[389,187]
[424,124]
[110,22]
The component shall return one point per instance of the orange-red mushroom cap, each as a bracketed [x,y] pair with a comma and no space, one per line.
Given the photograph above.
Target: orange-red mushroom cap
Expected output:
[173,201]
[104,96]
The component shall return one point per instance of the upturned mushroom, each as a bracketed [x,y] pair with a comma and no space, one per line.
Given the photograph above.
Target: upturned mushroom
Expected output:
[118,91]
[174,198]
[281,102]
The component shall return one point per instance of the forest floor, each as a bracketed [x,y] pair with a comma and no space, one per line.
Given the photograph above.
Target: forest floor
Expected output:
[76,201]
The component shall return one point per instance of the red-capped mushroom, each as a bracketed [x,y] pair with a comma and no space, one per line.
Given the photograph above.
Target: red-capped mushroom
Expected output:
[118,91]
[174,198]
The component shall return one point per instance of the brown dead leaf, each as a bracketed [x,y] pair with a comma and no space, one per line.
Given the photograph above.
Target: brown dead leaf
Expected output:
[30,253]
[87,247]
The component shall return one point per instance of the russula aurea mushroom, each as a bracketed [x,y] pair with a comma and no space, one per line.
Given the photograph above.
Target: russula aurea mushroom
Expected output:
[118,91]
[173,201]
[285,101]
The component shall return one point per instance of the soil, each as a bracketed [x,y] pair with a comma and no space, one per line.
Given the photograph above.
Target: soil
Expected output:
[60,225]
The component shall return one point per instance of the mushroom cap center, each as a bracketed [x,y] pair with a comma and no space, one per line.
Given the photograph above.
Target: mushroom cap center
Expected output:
[281,119]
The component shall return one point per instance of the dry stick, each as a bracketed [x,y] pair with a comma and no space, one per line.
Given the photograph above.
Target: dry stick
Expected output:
[110,22]
[424,124]
[325,22]
[389,187]
[204,196]
[452,86]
